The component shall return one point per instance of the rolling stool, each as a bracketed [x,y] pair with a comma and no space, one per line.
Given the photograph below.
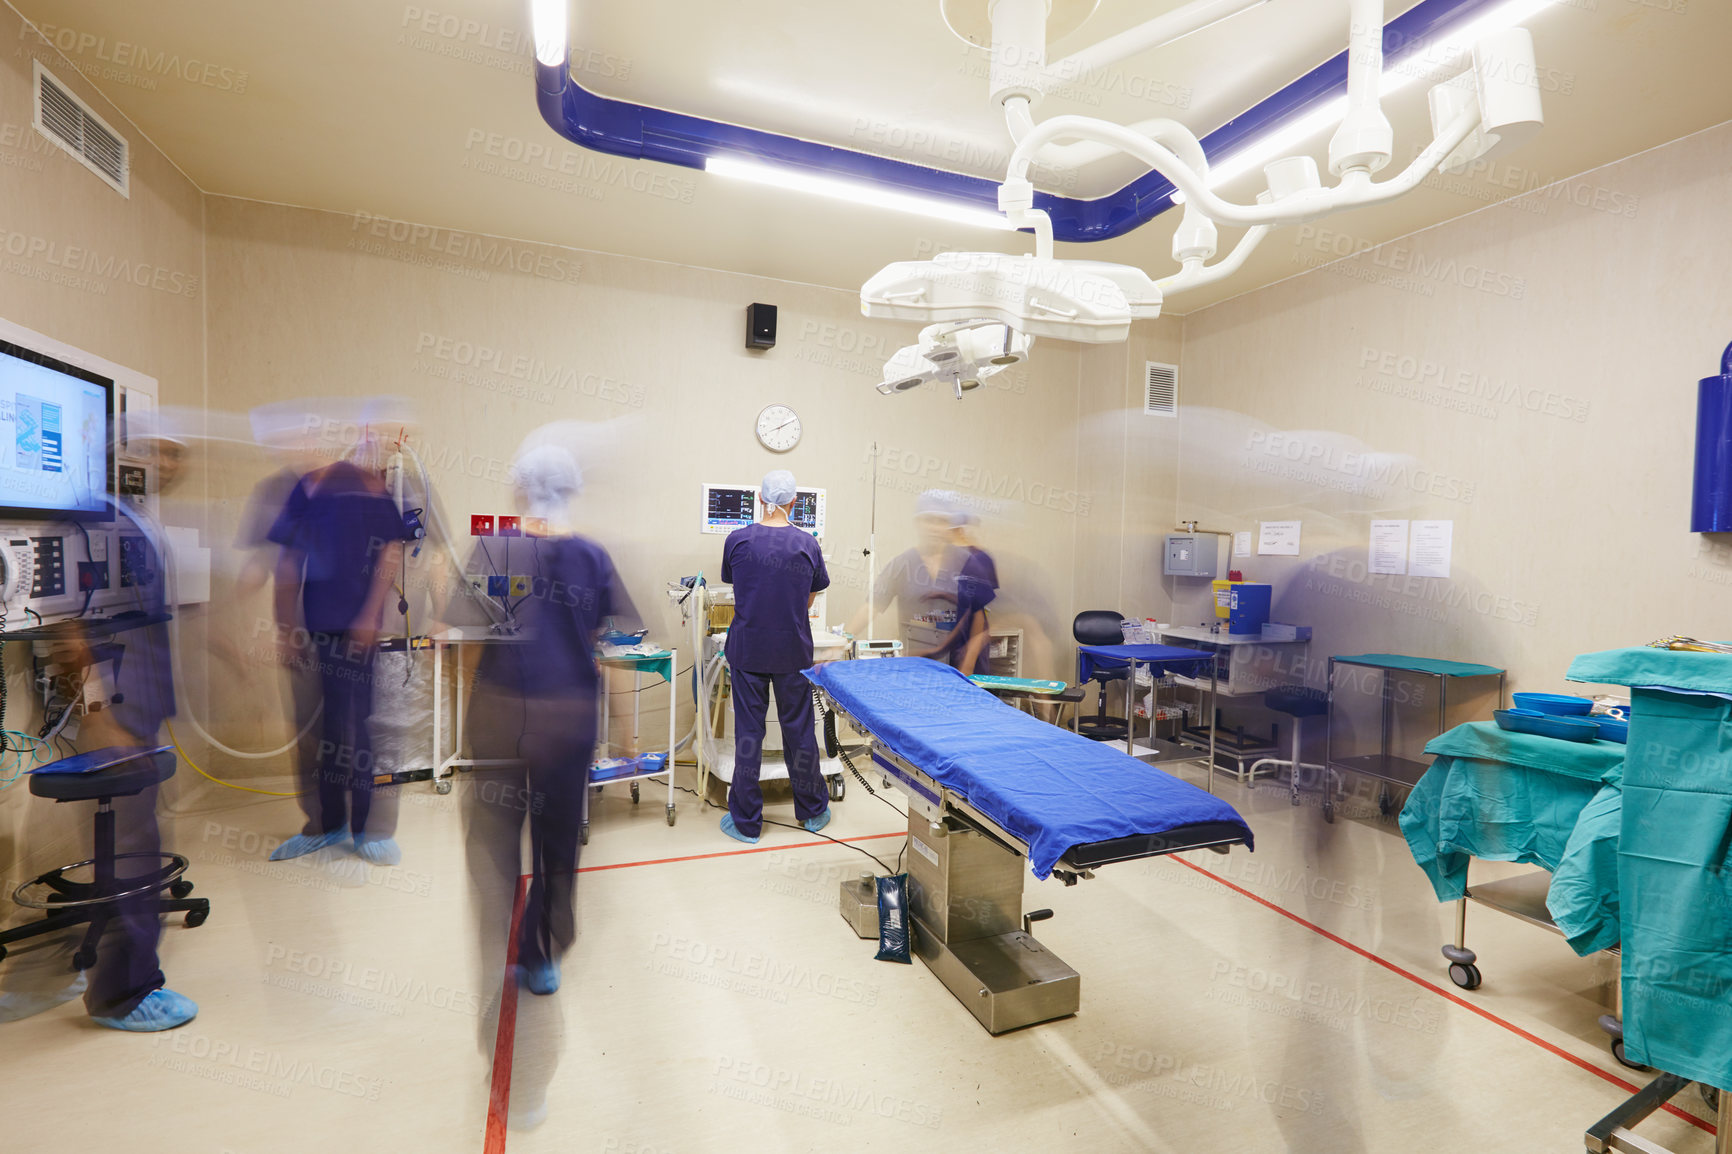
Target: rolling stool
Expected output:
[123,772]
[1100,627]
[1297,702]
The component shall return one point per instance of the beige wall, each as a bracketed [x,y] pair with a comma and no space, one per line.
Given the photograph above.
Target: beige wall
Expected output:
[1530,372]
[312,304]
[71,249]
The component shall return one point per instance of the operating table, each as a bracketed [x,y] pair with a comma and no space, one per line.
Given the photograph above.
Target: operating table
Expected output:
[988,786]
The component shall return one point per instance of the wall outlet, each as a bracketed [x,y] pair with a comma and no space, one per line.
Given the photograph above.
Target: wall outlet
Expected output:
[480,525]
[509,527]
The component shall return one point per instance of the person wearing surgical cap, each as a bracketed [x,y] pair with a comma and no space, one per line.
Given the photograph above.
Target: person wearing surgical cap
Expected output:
[923,578]
[777,570]
[976,587]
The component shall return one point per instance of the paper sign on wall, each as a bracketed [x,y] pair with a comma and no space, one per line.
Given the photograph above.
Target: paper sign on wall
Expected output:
[1389,547]
[1429,548]
[1278,538]
[1242,544]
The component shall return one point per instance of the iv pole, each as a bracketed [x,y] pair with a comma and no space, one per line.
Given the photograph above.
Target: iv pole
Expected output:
[872,548]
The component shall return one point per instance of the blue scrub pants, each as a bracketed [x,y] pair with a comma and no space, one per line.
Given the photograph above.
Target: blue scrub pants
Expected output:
[799,747]
[126,967]
[345,754]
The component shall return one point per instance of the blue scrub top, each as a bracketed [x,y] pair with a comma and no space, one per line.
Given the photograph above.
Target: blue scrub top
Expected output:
[573,590]
[340,521]
[976,588]
[773,569]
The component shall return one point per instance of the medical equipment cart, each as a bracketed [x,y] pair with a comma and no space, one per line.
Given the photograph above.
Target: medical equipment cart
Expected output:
[457,639]
[1463,691]
[665,665]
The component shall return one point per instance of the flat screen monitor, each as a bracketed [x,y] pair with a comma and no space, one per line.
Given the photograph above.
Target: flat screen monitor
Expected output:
[805,510]
[56,425]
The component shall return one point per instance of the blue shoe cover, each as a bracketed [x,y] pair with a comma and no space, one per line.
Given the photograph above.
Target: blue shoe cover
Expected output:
[303,844]
[541,979]
[733,831]
[814,824]
[160,1010]
[376,850]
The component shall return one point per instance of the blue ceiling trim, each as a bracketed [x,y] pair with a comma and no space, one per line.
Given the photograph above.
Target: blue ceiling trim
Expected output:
[641,132]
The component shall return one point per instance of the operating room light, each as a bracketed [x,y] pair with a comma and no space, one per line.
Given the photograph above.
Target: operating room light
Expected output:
[854,192]
[547,21]
[1397,75]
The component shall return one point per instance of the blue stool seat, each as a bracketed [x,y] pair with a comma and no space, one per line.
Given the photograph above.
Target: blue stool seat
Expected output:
[1297,701]
[118,771]
[101,775]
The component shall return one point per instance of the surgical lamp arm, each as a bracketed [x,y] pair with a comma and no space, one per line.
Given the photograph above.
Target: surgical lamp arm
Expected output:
[1357,190]
[1195,274]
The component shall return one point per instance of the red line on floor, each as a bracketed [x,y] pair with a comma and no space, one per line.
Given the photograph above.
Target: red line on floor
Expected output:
[505,1040]
[1442,993]
[737,852]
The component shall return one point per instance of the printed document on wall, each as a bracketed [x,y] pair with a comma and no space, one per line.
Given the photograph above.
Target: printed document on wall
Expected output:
[1388,547]
[1429,548]
[1278,538]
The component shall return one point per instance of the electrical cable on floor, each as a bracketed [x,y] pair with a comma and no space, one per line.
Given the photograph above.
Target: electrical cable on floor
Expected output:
[218,780]
[802,829]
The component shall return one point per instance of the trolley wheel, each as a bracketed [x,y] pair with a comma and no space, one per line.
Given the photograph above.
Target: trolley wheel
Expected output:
[1618,1053]
[1710,1095]
[1385,802]
[196,918]
[442,786]
[180,888]
[832,747]
[1329,810]
[1467,976]
[584,836]
[634,793]
[838,788]
[670,815]
[83,959]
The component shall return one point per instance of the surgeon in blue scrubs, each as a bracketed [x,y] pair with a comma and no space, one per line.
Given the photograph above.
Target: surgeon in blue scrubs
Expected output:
[776,570]
[976,587]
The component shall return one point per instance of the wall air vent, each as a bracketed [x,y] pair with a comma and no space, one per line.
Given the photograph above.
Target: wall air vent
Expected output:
[70,123]
[1161,389]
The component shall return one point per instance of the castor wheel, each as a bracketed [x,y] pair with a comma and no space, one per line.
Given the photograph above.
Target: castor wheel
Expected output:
[634,793]
[83,958]
[196,917]
[441,787]
[1329,811]
[1618,1053]
[180,888]
[670,815]
[1710,1095]
[584,836]
[838,788]
[1385,802]
[1467,976]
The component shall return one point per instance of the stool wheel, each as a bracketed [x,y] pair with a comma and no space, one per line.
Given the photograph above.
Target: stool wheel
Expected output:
[180,888]
[196,917]
[1467,976]
[83,958]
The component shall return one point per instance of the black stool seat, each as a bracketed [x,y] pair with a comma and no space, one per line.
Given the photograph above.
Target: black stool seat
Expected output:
[1297,701]
[123,771]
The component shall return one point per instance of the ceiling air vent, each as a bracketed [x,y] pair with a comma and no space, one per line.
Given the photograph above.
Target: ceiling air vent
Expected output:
[1161,389]
[70,123]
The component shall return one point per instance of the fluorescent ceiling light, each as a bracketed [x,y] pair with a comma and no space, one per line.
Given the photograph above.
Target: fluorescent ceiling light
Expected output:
[1449,47]
[547,24]
[855,192]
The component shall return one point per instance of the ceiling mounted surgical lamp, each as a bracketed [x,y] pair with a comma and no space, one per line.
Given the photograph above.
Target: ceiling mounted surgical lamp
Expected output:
[961,355]
[1492,107]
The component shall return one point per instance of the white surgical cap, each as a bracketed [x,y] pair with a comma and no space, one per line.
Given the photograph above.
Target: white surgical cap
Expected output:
[548,477]
[777,487]
[937,503]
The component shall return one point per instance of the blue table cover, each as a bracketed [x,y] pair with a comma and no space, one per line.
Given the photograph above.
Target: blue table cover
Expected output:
[1162,658]
[1044,785]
